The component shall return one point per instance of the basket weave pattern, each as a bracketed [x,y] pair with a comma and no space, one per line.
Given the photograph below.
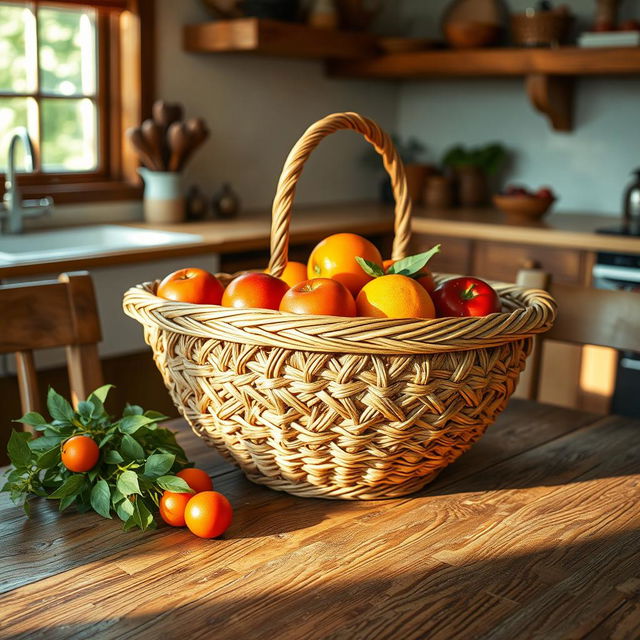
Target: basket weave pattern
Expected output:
[357,408]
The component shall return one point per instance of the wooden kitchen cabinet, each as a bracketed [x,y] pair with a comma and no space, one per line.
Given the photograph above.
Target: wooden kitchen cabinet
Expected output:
[502,261]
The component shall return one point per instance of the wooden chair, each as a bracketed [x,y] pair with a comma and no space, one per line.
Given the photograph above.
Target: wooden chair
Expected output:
[586,316]
[55,313]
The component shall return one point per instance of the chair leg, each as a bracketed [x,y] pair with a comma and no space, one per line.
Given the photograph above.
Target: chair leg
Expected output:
[85,374]
[27,383]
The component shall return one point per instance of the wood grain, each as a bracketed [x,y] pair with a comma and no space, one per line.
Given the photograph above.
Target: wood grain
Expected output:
[271,37]
[562,61]
[57,313]
[534,533]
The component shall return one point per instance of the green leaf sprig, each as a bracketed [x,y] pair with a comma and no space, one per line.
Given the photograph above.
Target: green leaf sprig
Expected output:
[138,460]
[411,267]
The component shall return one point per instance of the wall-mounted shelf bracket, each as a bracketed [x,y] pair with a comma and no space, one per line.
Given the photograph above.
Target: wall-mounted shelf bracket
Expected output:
[553,97]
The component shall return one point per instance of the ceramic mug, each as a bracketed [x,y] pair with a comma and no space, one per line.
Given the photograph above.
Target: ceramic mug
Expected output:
[164,201]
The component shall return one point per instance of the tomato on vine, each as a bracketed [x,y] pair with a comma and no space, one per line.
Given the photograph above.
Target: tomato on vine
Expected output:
[80,453]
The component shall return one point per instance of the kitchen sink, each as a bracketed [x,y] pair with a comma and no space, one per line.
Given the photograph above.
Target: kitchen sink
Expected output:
[84,241]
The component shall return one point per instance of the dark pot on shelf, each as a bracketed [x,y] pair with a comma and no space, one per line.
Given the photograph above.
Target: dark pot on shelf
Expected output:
[416,179]
[438,192]
[473,187]
[286,10]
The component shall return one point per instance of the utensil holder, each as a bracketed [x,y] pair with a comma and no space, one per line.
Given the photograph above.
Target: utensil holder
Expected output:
[163,201]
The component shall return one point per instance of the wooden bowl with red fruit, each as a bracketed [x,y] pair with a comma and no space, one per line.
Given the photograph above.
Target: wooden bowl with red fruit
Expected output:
[521,204]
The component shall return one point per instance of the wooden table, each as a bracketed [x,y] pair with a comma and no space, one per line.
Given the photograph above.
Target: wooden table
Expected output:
[535,533]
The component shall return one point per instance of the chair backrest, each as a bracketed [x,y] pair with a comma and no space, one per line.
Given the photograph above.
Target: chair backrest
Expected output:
[586,316]
[55,313]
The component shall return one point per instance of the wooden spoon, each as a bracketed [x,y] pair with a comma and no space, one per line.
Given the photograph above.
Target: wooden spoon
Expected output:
[197,130]
[137,140]
[179,144]
[166,113]
[155,141]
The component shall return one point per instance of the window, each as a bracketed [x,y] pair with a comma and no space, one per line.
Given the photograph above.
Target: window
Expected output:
[62,77]
[48,69]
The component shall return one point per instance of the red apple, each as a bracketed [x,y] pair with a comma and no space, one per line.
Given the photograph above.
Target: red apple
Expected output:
[545,193]
[254,291]
[191,285]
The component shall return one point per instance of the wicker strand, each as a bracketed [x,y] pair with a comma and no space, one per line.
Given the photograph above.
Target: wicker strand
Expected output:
[293,166]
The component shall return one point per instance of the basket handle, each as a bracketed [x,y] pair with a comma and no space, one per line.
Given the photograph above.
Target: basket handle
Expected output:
[283,202]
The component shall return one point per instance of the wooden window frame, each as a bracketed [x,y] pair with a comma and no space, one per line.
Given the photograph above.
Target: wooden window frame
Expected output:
[125,94]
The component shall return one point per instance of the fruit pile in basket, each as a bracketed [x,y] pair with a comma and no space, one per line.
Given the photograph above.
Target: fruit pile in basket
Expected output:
[520,202]
[344,276]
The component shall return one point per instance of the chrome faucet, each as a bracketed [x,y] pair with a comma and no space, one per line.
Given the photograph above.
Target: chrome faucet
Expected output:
[14,209]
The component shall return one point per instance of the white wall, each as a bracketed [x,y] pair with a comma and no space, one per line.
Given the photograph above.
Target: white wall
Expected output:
[588,167]
[256,109]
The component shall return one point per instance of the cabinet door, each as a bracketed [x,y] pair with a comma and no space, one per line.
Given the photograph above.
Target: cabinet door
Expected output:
[501,261]
[454,256]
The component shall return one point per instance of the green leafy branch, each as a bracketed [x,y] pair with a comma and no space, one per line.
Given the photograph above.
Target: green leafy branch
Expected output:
[411,267]
[138,460]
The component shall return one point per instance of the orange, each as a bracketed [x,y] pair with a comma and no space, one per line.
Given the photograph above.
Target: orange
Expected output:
[172,506]
[294,273]
[321,296]
[394,296]
[197,479]
[80,453]
[208,514]
[335,257]
[425,278]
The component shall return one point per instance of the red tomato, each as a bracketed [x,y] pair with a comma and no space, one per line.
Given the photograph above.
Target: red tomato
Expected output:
[191,285]
[320,296]
[80,454]
[254,291]
[466,297]
[197,479]
[208,514]
[172,506]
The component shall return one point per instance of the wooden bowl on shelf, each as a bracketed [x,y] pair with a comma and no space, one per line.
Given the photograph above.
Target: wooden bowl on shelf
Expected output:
[525,208]
[471,35]
[404,45]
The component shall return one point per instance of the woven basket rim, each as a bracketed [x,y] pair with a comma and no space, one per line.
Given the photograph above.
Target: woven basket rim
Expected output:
[531,311]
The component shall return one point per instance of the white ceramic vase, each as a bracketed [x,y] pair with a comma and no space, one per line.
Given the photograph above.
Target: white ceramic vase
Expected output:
[164,201]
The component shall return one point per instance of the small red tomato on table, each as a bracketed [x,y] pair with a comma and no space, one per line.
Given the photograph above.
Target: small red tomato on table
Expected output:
[466,297]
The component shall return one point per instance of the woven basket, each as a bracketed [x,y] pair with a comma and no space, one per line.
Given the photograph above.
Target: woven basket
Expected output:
[324,406]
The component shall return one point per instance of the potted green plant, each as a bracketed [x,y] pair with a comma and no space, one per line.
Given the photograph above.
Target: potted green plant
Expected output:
[472,167]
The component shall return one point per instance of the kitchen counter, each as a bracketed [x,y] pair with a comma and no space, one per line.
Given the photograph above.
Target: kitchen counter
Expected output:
[563,230]
[311,224]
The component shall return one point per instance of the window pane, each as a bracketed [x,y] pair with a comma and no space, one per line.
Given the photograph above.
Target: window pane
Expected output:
[68,135]
[17,49]
[67,51]
[15,112]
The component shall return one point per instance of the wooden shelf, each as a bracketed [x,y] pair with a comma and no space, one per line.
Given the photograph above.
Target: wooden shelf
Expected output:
[563,61]
[273,38]
[549,73]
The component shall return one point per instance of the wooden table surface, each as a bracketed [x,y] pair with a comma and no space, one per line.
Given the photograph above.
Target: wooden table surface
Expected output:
[535,533]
